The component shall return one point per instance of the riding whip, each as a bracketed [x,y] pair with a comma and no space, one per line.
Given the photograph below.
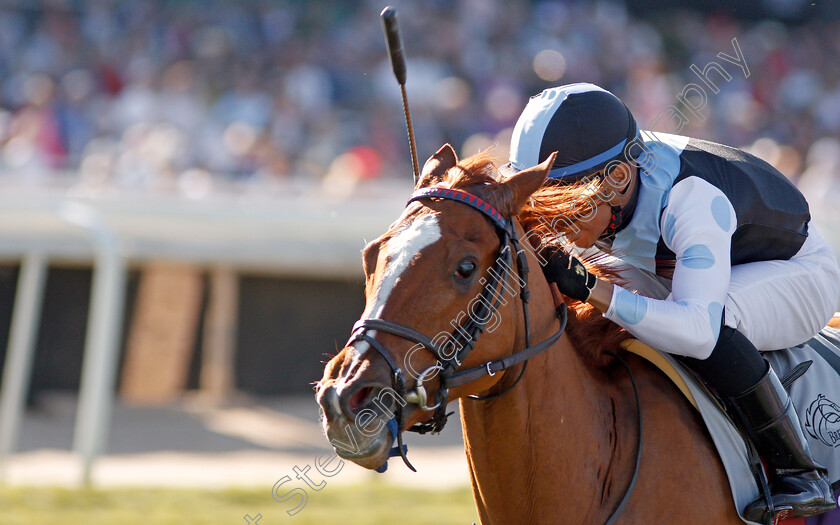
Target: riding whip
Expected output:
[395,53]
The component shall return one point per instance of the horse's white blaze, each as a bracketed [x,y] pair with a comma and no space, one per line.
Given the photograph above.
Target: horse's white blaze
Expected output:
[402,247]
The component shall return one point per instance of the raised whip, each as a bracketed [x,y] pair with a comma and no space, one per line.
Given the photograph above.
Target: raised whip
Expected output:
[395,53]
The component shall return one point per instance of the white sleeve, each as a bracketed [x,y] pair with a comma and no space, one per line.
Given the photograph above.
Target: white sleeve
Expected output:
[697,225]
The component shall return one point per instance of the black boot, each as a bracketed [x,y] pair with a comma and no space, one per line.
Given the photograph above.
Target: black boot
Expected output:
[797,482]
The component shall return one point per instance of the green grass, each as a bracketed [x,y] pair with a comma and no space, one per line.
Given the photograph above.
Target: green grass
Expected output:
[370,504]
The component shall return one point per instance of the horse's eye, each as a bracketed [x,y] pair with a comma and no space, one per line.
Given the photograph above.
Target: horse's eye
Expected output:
[465,269]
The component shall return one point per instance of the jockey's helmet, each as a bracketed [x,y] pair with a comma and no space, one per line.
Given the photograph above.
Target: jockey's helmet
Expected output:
[587,125]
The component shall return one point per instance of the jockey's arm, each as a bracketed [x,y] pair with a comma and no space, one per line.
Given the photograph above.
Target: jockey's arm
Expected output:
[697,225]
[601,296]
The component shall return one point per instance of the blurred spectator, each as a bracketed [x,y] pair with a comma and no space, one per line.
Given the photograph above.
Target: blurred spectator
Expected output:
[186,96]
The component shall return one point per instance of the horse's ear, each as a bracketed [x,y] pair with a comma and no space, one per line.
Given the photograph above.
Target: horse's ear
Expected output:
[523,183]
[437,165]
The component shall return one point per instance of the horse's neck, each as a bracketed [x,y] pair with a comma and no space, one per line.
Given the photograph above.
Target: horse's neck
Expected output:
[560,419]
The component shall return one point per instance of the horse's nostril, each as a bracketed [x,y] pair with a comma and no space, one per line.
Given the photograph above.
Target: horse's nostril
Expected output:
[359,398]
[328,400]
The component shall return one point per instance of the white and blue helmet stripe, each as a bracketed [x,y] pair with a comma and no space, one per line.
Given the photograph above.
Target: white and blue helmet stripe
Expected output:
[587,125]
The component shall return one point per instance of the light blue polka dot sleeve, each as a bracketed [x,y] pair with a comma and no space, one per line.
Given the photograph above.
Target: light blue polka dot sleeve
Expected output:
[697,225]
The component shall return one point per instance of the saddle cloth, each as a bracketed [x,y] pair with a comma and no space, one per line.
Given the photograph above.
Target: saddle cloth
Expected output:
[815,395]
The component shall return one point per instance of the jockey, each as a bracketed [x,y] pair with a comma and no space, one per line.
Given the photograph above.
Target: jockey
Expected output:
[727,234]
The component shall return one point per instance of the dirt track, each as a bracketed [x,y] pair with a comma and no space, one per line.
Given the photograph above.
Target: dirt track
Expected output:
[253,442]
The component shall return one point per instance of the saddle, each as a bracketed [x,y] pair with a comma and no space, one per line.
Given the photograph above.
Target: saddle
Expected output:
[811,374]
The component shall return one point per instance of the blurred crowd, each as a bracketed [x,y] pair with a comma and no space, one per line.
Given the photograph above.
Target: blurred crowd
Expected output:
[187,95]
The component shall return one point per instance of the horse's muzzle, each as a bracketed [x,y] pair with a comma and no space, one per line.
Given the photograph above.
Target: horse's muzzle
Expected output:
[354,420]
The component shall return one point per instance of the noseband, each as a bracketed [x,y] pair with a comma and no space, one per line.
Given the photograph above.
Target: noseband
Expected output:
[452,353]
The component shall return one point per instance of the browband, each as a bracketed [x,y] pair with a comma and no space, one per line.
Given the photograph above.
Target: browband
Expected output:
[467,198]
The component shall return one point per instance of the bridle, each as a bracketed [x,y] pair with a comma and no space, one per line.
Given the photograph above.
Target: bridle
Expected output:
[452,352]
[464,337]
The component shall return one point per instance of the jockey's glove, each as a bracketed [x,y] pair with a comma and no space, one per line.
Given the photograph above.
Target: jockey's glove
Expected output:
[571,276]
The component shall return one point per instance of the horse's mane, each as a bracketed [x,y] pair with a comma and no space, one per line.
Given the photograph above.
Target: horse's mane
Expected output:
[591,333]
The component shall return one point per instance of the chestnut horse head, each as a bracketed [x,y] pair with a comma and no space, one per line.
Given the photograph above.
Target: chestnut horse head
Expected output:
[443,274]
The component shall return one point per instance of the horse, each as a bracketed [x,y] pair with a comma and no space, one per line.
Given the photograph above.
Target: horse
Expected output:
[557,442]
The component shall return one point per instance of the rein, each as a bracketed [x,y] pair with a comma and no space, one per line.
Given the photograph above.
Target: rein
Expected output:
[630,486]
[452,353]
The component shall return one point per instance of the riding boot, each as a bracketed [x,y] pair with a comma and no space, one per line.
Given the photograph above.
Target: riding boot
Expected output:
[798,483]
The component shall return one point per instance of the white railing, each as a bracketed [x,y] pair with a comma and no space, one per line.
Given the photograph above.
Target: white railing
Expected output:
[291,235]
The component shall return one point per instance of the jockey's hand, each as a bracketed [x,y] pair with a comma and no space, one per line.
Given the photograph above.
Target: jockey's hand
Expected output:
[569,273]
